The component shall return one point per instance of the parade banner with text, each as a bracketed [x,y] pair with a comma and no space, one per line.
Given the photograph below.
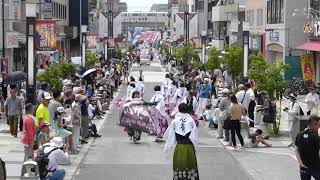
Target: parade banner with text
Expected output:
[307,66]
[46,35]
[91,41]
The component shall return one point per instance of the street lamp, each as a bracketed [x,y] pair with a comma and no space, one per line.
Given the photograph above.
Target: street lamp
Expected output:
[245,30]
[110,26]
[203,39]
[186,24]
[105,35]
[31,13]
[83,45]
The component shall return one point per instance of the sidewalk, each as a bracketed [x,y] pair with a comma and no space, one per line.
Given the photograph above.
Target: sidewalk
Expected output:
[12,151]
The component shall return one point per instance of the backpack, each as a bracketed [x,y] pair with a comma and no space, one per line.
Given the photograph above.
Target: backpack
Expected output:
[3,172]
[270,116]
[43,161]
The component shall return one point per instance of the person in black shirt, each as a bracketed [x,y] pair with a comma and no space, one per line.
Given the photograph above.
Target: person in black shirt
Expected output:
[307,150]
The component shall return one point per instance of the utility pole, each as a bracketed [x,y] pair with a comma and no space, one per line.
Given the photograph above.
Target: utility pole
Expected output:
[3,37]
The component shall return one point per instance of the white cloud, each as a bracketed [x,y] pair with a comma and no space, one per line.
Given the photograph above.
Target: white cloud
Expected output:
[142,5]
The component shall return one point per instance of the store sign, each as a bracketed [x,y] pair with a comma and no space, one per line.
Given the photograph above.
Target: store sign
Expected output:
[12,40]
[46,35]
[274,36]
[91,41]
[46,9]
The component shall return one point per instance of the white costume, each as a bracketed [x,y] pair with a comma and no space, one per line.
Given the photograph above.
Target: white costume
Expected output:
[140,87]
[182,124]
[312,102]
[159,98]
[165,85]
[180,93]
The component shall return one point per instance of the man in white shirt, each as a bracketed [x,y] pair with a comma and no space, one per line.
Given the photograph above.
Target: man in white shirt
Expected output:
[57,155]
[243,96]
[312,101]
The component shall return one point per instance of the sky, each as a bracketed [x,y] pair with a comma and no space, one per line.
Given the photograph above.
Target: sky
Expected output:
[142,5]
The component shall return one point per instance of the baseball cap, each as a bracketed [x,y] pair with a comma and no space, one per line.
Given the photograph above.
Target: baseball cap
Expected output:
[47,96]
[225,91]
[42,125]
[60,109]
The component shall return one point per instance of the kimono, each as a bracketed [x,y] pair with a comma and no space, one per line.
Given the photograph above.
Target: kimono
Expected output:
[160,116]
[193,108]
[183,133]
[130,90]
[180,94]
[165,85]
[140,87]
[169,96]
[134,134]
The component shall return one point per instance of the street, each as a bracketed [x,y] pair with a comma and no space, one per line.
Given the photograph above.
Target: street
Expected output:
[114,156]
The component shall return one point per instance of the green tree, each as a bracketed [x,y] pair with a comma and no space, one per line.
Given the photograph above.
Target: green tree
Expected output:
[232,58]
[67,69]
[55,73]
[92,59]
[117,53]
[185,55]
[269,77]
[214,61]
[52,76]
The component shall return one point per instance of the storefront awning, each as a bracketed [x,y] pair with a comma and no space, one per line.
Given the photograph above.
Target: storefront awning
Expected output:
[310,46]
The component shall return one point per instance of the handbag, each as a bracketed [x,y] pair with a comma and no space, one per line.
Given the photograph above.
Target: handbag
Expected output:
[268,118]
[224,115]
[227,124]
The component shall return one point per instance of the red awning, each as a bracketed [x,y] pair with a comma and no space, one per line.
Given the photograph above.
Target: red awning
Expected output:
[310,46]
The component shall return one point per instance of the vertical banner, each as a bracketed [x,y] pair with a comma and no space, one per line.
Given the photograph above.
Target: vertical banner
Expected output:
[91,41]
[46,35]
[307,67]
[4,64]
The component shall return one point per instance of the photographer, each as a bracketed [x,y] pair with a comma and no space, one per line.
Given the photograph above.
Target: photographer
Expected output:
[58,155]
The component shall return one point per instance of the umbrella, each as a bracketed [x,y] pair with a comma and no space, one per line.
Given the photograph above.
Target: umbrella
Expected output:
[88,72]
[16,77]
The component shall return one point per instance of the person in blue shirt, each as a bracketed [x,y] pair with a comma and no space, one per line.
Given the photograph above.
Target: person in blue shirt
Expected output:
[204,96]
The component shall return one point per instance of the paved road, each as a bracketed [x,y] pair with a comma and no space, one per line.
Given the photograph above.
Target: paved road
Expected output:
[114,157]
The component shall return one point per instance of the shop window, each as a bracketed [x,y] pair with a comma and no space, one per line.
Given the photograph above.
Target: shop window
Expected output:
[275,12]
[201,5]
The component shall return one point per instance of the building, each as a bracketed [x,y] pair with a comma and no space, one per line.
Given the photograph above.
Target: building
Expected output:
[159,8]
[227,18]
[256,18]
[123,7]
[284,31]
[310,45]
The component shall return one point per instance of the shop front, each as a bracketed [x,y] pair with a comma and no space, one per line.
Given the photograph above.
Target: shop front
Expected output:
[311,55]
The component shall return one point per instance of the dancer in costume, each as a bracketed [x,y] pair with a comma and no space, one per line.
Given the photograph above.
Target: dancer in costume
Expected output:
[180,95]
[134,134]
[159,115]
[166,84]
[193,106]
[169,96]
[183,132]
